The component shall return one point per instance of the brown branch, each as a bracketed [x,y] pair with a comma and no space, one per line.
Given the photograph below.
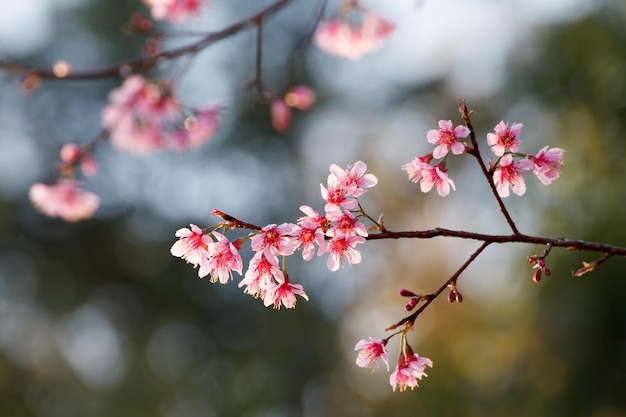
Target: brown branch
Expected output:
[147,63]
[475,152]
[513,238]
[410,319]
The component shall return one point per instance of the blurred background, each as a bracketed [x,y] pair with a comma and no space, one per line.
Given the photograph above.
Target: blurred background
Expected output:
[98,319]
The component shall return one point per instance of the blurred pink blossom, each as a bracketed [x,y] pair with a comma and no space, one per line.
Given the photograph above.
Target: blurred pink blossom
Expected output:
[66,199]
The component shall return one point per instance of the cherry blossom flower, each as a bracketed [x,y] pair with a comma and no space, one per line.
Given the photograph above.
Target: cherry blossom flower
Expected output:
[276,240]
[174,10]
[446,139]
[338,37]
[354,175]
[261,274]
[307,236]
[508,173]
[197,129]
[138,114]
[66,199]
[409,369]
[338,195]
[283,293]
[344,223]
[435,176]
[548,164]
[312,216]
[416,167]
[341,247]
[371,353]
[222,260]
[505,138]
[192,245]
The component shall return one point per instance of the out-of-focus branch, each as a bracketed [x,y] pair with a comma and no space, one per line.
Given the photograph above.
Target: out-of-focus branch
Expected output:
[147,63]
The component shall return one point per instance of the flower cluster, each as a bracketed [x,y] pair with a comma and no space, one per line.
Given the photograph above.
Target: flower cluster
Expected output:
[336,233]
[339,37]
[506,171]
[174,10]
[300,97]
[66,199]
[409,368]
[143,116]
[420,169]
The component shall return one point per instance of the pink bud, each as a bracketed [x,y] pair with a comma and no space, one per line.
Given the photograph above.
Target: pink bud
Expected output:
[300,97]
[537,275]
[281,115]
[411,304]
[70,152]
[407,293]
[88,166]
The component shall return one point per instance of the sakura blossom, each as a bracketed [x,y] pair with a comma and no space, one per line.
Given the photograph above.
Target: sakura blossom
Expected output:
[446,139]
[345,223]
[306,238]
[276,240]
[262,272]
[192,245]
[548,164]
[416,167]
[312,216]
[222,260]
[174,10]
[66,199]
[338,37]
[371,353]
[72,154]
[138,114]
[508,174]
[409,369]
[505,138]
[283,293]
[436,176]
[354,175]
[340,247]
[197,129]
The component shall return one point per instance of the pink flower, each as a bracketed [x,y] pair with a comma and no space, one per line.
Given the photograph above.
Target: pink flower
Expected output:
[261,274]
[281,115]
[340,247]
[338,195]
[139,115]
[283,293]
[173,10]
[66,199]
[223,259]
[508,173]
[192,245]
[276,240]
[548,164]
[197,129]
[344,223]
[339,38]
[447,139]
[505,138]
[436,176]
[354,175]
[409,369]
[372,352]
[312,216]
[417,166]
[301,97]
[306,238]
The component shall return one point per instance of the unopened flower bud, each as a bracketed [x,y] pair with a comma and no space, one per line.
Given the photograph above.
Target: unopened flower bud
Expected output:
[411,304]
[407,293]
[459,297]
[451,296]
[547,271]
